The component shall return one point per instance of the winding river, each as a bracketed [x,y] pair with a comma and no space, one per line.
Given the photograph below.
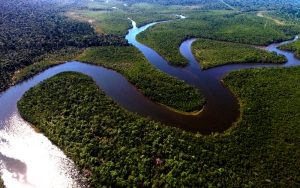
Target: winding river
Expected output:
[29,159]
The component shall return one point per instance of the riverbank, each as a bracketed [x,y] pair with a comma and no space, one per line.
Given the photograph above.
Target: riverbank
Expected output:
[219,25]
[266,132]
[259,151]
[210,53]
[51,61]
[154,84]
[292,47]
[105,16]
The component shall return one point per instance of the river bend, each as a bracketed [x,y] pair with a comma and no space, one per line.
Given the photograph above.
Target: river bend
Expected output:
[29,159]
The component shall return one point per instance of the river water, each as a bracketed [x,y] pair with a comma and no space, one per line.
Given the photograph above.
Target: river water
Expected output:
[29,159]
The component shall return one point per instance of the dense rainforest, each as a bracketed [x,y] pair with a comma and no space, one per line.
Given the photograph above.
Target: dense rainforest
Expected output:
[293,47]
[254,5]
[116,148]
[57,39]
[245,28]
[52,60]
[237,5]
[286,14]
[30,31]
[105,21]
[154,84]
[198,4]
[211,53]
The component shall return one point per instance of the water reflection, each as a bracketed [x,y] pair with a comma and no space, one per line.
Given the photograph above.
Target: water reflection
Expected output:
[17,168]
[29,159]
[221,108]
[19,143]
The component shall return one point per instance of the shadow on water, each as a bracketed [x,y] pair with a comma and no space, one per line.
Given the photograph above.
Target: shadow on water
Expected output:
[15,167]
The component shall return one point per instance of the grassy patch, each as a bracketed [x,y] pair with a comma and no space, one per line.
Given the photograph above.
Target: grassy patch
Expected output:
[106,19]
[211,53]
[111,22]
[153,83]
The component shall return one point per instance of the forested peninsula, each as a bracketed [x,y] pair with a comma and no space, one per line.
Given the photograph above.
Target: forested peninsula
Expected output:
[57,38]
[246,28]
[113,147]
[293,47]
[210,53]
[154,84]
[117,148]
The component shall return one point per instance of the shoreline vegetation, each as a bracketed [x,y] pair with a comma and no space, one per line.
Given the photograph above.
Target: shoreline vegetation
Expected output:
[137,70]
[292,47]
[38,67]
[162,90]
[105,16]
[244,28]
[154,84]
[9,78]
[52,35]
[210,53]
[118,148]
[105,21]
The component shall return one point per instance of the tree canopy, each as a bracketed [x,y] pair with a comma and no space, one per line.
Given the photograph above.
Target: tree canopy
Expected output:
[116,148]
[154,84]
[211,53]
[31,31]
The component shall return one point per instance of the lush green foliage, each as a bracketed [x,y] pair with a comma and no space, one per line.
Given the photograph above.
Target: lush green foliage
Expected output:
[270,102]
[153,83]
[30,31]
[288,14]
[192,4]
[115,21]
[219,25]
[32,70]
[211,53]
[50,61]
[254,5]
[293,46]
[116,148]
[110,22]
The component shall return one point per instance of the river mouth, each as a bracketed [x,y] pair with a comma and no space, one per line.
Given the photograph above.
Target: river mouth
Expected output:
[29,159]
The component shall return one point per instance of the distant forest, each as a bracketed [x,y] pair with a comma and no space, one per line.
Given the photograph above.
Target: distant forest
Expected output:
[30,31]
[244,5]
[176,2]
[117,148]
[254,5]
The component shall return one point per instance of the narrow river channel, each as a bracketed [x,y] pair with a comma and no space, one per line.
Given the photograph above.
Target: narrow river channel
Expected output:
[29,159]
